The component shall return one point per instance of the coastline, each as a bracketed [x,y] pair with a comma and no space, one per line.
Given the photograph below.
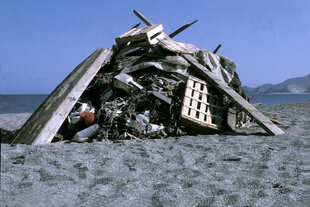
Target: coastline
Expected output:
[284,93]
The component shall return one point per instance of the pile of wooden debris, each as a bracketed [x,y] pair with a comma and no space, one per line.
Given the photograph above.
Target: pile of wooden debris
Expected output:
[145,86]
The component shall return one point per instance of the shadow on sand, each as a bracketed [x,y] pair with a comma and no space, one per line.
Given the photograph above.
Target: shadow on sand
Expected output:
[6,136]
[231,133]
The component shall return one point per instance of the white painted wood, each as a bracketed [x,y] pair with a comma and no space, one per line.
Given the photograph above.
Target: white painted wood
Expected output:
[150,35]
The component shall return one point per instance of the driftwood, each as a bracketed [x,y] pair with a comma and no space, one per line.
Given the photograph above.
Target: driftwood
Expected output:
[44,123]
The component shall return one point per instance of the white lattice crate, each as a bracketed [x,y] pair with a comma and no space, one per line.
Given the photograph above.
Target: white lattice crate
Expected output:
[146,35]
[202,107]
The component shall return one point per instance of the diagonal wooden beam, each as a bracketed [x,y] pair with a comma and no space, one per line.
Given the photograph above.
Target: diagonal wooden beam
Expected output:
[223,87]
[44,123]
[173,34]
[136,26]
[217,48]
[143,18]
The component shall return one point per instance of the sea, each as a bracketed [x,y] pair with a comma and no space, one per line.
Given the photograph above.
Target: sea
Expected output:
[29,103]
[278,98]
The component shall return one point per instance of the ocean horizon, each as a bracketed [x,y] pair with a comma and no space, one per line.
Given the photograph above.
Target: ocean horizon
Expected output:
[278,98]
[28,103]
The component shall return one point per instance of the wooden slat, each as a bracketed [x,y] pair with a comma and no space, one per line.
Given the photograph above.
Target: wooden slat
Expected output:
[143,18]
[136,26]
[200,117]
[177,47]
[44,123]
[217,48]
[250,110]
[142,34]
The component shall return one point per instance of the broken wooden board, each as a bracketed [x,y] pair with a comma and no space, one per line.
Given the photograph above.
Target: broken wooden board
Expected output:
[143,18]
[44,123]
[250,110]
[148,35]
[177,47]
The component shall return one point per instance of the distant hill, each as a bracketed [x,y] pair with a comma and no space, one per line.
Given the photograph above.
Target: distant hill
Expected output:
[292,85]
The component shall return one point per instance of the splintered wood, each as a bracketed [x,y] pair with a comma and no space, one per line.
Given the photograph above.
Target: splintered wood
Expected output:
[202,107]
[146,35]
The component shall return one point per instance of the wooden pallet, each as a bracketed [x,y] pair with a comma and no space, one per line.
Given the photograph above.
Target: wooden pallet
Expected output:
[202,105]
[223,87]
[44,123]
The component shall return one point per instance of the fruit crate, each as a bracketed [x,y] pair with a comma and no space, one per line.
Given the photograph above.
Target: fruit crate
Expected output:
[147,35]
[202,107]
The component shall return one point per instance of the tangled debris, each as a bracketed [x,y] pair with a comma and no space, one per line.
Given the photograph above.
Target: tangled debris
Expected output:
[145,86]
[140,94]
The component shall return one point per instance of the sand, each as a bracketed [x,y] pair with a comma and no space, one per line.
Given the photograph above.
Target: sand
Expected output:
[247,168]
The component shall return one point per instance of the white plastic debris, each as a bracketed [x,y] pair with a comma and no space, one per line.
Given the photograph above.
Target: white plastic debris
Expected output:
[126,83]
[154,129]
[85,134]
[143,118]
[140,123]
[220,66]
[138,127]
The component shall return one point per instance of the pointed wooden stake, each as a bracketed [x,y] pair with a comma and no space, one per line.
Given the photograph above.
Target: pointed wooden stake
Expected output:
[217,48]
[173,34]
[136,26]
[143,18]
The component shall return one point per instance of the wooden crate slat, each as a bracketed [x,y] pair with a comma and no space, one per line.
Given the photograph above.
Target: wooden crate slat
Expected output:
[250,110]
[196,109]
[142,34]
[177,47]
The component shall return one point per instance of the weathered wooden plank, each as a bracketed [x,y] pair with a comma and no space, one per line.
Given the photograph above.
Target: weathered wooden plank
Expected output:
[143,18]
[44,123]
[177,47]
[250,110]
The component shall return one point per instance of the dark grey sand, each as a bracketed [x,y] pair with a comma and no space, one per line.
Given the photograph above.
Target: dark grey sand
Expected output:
[243,169]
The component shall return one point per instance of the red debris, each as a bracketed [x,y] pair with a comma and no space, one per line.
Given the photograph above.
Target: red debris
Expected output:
[88,117]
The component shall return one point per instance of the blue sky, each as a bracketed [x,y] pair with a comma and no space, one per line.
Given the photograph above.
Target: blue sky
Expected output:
[41,42]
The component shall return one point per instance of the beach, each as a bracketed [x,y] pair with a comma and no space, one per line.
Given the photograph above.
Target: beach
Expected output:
[246,168]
